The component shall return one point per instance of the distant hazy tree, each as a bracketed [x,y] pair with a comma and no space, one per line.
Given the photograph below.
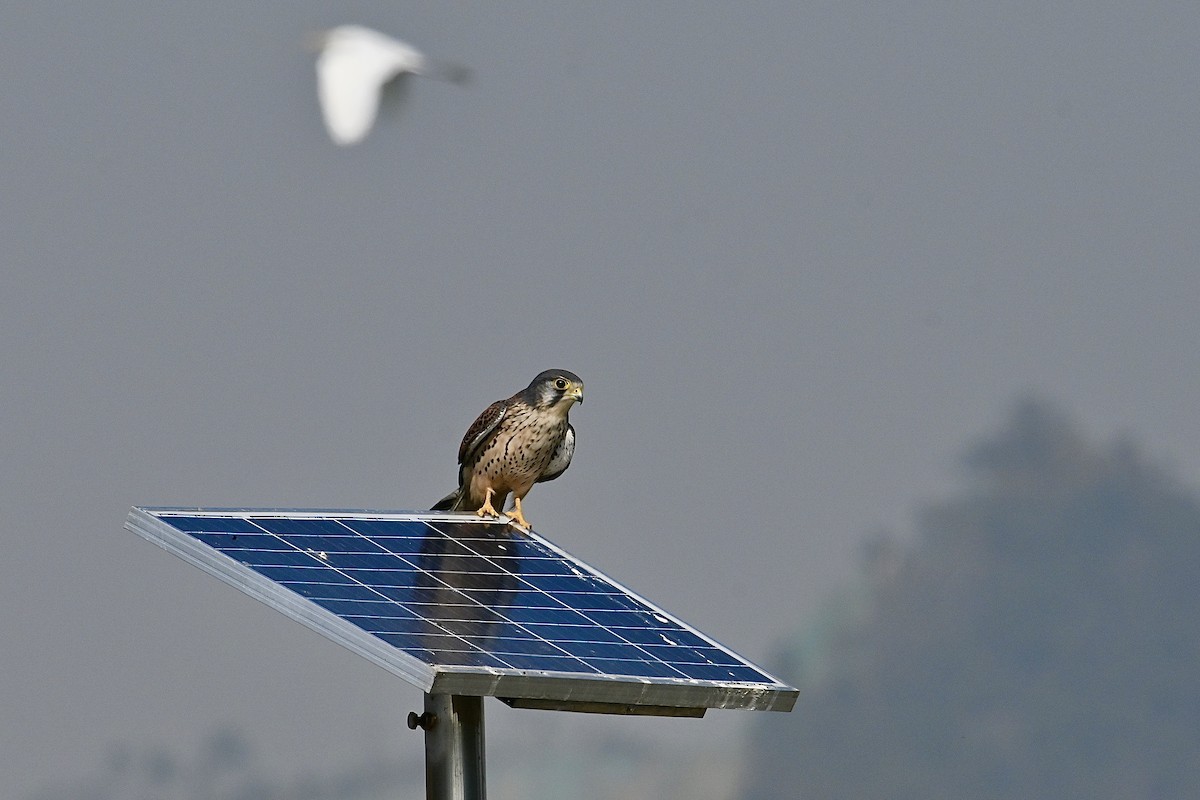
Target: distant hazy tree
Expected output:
[1039,639]
[225,768]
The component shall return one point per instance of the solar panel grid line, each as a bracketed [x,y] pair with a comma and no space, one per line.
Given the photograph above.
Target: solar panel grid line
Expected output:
[456,603]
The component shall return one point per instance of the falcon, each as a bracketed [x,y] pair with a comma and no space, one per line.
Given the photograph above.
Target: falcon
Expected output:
[514,444]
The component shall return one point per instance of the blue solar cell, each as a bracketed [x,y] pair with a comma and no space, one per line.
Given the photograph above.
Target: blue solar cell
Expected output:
[510,646]
[659,636]
[715,672]
[487,583]
[269,558]
[411,546]
[591,601]
[458,594]
[312,572]
[372,607]
[512,599]
[394,625]
[350,544]
[558,584]
[503,631]
[549,616]
[532,566]
[571,633]
[387,527]
[216,524]
[611,650]
[455,658]
[243,541]
[331,591]
[689,655]
[547,663]
[366,562]
[631,618]
[311,527]
[638,669]
[391,578]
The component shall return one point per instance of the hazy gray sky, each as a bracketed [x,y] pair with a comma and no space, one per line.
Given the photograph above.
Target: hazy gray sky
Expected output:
[799,253]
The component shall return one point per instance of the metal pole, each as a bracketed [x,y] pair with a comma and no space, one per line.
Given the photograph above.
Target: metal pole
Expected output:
[454,759]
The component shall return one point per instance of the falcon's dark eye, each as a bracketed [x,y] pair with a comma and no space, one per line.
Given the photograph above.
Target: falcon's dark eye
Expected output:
[561,383]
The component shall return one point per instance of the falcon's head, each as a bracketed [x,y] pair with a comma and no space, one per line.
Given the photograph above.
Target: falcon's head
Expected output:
[555,389]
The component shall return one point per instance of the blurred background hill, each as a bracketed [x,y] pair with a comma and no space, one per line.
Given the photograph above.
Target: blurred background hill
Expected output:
[1039,638]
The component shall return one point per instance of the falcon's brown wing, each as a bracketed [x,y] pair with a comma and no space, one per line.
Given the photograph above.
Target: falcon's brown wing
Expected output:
[483,427]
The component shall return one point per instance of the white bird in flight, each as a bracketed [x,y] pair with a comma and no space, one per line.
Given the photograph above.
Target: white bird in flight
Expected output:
[354,65]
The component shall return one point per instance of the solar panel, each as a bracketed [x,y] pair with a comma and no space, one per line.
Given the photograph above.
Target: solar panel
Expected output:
[461,605]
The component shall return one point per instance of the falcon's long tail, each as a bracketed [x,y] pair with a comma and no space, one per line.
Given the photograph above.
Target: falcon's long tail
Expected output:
[451,502]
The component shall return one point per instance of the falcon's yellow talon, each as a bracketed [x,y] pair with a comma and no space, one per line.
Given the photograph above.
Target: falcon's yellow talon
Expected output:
[486,509]
[515,516]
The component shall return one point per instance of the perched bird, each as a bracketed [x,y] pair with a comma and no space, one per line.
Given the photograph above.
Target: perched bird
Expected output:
[514,444]
[354,65]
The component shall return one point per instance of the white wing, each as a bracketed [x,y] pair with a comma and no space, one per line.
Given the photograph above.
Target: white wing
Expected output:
[354,64]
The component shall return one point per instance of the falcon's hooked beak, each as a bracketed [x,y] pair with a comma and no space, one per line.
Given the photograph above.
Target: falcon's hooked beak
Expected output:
[576,393]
